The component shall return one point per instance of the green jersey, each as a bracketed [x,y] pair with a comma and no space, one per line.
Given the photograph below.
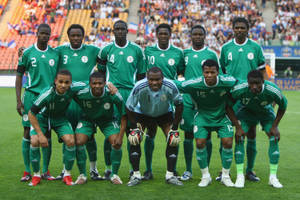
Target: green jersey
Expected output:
[169,60]
[80,62]
[238,60]
[122,63]
[210,101]
[193,65]
[262,102]
[53,105]
[40,67]
[99,108]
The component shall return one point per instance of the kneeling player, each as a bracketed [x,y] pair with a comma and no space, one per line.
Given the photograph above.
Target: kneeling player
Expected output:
[149,104]
[52,102]
[209,93]
[98,109]
[256,97]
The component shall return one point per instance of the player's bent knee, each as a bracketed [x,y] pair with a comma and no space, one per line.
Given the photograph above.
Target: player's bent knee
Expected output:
[200,143]
[69,140]
[227,143]
[81,139]
[251,134]
[27,133]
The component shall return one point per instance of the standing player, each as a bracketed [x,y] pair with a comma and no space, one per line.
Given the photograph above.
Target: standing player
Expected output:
[194,58]
[39,62]
[257,97]
[209,92]
[80,59]
[52,104]
[124,62]
[169,59]
[98,106]
[238,57]
[150,103]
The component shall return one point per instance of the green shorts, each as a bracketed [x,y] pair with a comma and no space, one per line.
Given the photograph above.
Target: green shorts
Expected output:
[249,119]
[88,128]
[60,125]
[187,121]
[73,114]
[224,131]
[28,99]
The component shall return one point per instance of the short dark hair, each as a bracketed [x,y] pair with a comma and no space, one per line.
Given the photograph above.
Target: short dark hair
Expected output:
[210,63]
[255,74]
[198,26]
[75,26]
[98,74]
[240,19]
[167,26]
[44,26]
[64,72]
[154,70]
[122,22]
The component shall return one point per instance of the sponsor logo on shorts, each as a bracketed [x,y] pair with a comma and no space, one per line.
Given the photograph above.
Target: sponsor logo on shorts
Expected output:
[106,106]
[25,118]
[195,129]
[182,121]
[84,59]
[79,125]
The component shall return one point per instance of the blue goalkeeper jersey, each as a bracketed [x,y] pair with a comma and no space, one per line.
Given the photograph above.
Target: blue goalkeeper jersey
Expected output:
[145,101]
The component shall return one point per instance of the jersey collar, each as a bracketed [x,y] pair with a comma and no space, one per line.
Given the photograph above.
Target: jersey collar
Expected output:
[203,48]
[123,46]
[36,47]
[169,45]
[212,85]
[77,48]
[240,44]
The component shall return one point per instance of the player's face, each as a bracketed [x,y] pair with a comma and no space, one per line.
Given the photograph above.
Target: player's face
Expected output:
[163,36]
[198,37]
[240,30]
[97,86]
[210,74]
[155,81]
[255,85]
[43,35]
[120,31]
[62,83]
[76,37]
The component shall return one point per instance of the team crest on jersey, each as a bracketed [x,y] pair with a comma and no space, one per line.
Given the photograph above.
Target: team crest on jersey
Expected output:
[163,97]
[195,129]
[130,59]
[250,56]
[263,103]
[84,59]
[171,61]
[25,118]
[106,106]
[51,62]
[79,125]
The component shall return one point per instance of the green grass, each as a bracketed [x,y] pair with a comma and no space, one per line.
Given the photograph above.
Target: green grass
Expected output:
[11,166]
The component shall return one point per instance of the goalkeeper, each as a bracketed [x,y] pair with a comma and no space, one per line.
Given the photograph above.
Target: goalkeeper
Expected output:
[149,106]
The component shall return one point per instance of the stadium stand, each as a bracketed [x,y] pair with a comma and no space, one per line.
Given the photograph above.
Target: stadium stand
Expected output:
[3,4]
[215,15]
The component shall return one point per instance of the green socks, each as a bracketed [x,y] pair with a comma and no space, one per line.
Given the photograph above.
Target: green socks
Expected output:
[148,148]
[35,156]
[273,151]
[26,154]
[116,157]
[201,155]
[69,157]
[188,153]
[46,151]
[226,157]
[251,154]
[209,150]
[81,159]
[91,148]
[239,152]
[107,153]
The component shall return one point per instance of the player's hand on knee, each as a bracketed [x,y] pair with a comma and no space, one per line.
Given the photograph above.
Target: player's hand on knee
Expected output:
[43,141]
[239,134]
[275,132]
[173,138]
[135,136]
[118,141]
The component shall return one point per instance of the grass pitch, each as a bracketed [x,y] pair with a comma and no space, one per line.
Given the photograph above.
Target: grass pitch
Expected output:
[11,166]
